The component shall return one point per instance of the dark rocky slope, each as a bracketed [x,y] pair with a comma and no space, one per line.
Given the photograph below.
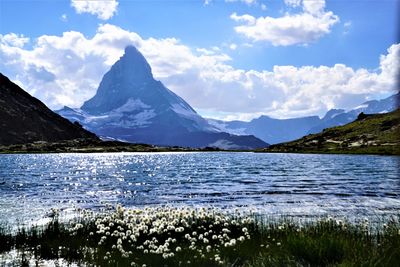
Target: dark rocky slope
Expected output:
[25,119]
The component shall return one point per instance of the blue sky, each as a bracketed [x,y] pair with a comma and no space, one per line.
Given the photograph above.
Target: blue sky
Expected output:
[250,41]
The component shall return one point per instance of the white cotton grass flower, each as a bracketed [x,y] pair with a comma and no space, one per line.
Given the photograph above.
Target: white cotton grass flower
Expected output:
[168,231]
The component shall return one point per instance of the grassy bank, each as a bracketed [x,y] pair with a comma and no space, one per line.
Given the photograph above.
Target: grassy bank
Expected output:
[369,134]
[200,237]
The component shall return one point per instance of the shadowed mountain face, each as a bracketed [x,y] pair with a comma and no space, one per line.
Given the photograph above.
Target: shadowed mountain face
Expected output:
[131,105]
[283,130]
[130,72]
[24,119]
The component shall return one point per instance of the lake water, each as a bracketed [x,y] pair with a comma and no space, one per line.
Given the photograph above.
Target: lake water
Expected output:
[273,184]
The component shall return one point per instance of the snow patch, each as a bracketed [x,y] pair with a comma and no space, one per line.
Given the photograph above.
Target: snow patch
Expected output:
[131,105]
[184,110]
[224,144]
[223,127]
[363,106]
[142,118]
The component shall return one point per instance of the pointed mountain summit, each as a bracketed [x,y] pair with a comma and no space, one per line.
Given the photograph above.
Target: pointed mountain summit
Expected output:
[130,76]
[130,105]
[25,119]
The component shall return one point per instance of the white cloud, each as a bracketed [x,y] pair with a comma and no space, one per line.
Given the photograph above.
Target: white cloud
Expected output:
[66,70]
[247,2]
[12,39]
[315,7]
[346,27]
[233,46]
[103,9]
[293,3]
[64,17]
[301,28]
[250,20]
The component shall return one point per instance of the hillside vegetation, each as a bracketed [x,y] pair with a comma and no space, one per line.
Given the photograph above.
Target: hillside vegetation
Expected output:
[368,134]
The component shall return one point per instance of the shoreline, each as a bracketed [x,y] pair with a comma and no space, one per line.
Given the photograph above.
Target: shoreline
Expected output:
[85,147]
[159,236]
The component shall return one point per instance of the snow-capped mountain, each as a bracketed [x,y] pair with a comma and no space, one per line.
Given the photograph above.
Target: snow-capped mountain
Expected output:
[130,105]
[267,128]
[275,131]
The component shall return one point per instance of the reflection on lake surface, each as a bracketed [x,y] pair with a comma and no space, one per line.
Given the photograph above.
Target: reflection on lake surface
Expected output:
[273,184]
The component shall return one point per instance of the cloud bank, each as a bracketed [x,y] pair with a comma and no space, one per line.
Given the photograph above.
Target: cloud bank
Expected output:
[312,23]
[67,69]
[103,9]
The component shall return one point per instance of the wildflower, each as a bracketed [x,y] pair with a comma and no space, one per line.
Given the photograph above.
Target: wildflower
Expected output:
[178,249]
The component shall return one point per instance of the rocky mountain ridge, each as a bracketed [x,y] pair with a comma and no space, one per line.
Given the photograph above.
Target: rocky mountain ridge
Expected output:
[25,119]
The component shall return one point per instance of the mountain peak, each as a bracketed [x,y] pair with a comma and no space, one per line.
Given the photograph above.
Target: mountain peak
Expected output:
[133,56]
[133,63]
[126,78]
[131,49]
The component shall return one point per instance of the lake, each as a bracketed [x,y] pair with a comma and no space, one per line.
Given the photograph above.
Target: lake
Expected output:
[301,185]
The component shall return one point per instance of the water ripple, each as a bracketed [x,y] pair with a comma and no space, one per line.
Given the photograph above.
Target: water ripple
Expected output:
[291,184]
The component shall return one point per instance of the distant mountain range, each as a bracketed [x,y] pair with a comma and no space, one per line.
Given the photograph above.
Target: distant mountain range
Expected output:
[24,119]
[130,105]
[275,131]
[370,134]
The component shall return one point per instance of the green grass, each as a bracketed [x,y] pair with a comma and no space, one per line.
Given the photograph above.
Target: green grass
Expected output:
[121,237]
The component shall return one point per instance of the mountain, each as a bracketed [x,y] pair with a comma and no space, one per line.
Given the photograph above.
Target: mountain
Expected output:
[275,131]
[24,119]
[371,134]
[130,105]
[268,129]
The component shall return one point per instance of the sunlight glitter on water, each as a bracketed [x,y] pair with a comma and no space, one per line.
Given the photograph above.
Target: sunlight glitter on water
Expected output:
[275,184]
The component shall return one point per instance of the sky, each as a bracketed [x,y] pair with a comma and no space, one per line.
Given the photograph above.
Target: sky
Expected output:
[229,59]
